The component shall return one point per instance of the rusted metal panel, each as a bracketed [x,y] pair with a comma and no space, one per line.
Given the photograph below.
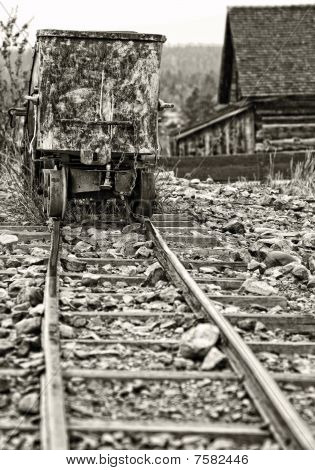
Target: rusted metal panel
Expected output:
[83,181]
[98,92]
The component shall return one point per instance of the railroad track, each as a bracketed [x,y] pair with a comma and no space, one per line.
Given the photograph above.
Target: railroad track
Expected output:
[114,375]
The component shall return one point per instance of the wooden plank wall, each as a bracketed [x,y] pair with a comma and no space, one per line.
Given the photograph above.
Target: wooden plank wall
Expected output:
[232,167]
[230,136]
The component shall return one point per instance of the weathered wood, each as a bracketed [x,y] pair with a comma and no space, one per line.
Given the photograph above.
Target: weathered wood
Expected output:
[244,433]
[283,347]
[235,265]
[285,131]
[25,235]
[23,228]
[126,375]
[198,240]
[9,372]
[246,300]
[285,321]
[224,283]
[130,280]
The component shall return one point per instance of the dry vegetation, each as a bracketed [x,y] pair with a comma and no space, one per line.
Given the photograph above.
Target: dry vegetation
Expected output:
[302,178]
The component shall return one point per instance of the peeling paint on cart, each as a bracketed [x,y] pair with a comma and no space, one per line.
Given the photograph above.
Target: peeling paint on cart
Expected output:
[95,77]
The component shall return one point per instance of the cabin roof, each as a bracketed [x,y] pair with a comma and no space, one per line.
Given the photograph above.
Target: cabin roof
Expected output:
[274,51]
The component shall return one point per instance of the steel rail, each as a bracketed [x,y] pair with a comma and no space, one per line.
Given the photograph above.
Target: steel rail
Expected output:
[53,418]
[285,424]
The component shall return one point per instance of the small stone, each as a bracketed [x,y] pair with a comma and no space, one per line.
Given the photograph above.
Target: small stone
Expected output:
[311,282]
[36,296]
[208,270]
[223,444]
[143,252]
[6,239]
[234,226]
[274,310]
[182,363]
[73,264]
[159,440]
[195,181]
[82,247]
[4,385]
[197,341]
[308,240]
[258,287]
[213,359]
[77,322]
[4,401]
[30,325]
[5,347]
[246,324]
[131,228]
[37,311]
[29,404]
[170,294]
[4,333]
[3,295]
[253,265]
[90,279]
[301,272]
[259,327]
[66,331]
[16,286]
[128,299]
[154,273]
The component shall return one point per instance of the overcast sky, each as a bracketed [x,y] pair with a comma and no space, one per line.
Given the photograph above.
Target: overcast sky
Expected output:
[182,21]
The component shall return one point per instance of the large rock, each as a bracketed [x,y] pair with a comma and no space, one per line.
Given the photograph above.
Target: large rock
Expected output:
[280,258]
[258,287]
[197,341]
[213,359]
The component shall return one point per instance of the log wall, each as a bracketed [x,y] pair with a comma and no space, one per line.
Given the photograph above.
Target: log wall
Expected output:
[285,125]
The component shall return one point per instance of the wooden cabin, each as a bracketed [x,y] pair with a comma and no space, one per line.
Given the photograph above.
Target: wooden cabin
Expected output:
[267,85]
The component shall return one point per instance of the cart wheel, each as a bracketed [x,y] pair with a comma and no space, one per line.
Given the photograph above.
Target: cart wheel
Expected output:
[55,192]
[144,195]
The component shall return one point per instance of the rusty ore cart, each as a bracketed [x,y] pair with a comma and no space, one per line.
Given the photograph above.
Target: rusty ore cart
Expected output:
[91,117]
